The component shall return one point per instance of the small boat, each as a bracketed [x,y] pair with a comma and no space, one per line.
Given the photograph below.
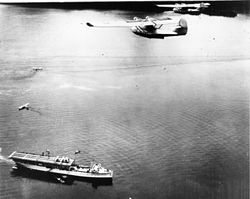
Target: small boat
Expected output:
[59,166]
[37,68]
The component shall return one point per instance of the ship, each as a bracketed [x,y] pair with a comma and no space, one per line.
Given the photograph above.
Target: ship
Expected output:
[61,166]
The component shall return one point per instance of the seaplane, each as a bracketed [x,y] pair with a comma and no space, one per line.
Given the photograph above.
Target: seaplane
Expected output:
[193,8]
[25,106]
[151,27]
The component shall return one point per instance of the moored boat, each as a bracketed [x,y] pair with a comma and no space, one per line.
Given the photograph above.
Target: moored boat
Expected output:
[62,166]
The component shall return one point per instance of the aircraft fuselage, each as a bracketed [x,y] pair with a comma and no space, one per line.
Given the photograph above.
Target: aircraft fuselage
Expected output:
[151,31]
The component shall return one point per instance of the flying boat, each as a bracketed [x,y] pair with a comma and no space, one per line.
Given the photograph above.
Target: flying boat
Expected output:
[151,27]
[183,8]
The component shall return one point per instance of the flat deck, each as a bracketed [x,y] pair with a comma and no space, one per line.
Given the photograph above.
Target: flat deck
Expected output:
[41,158]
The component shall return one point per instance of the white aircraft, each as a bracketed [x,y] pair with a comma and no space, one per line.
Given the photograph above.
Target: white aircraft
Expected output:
[25,106]
[150,27]
[192,8]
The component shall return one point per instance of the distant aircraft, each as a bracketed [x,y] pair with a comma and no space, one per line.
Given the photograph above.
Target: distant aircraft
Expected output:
[151,27]
[25,106]
[37,68]
[192,8]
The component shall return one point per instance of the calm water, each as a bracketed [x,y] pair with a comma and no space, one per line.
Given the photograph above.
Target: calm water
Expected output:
[170,117]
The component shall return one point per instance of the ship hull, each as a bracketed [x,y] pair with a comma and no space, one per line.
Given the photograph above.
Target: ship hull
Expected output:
[60,172]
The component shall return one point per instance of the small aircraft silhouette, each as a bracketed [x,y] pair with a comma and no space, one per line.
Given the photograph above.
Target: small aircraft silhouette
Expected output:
[25,106]
[37,68]
[151,27]
[192,8]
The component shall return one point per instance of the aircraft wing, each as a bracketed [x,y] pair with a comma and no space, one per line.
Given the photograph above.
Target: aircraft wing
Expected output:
[167,21]
[194,5]
[121,24]
[166,6]
[135,22]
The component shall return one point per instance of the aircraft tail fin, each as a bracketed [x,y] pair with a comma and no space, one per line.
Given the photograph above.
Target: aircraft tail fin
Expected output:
[183,27]
[183,23]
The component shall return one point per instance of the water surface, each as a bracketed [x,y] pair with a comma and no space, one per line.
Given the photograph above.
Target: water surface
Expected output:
[170,117]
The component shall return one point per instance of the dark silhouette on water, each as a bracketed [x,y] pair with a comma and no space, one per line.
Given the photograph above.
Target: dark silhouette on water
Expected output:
[39,176]
[24,107]
[47,177]
[29,108]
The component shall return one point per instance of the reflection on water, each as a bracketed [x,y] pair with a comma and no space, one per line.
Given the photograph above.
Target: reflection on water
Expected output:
[170,117]
[38,176]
